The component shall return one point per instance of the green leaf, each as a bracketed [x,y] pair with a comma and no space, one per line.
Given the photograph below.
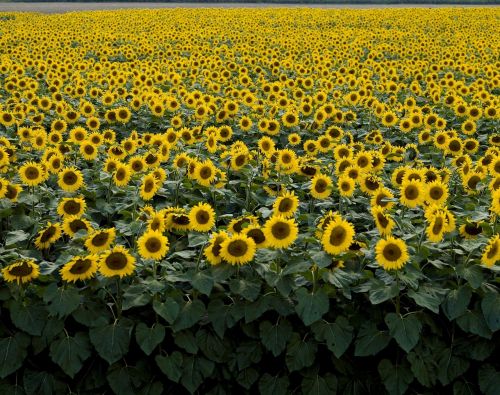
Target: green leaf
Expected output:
[212,346]
[247,377]
[149,338]
[248,353]
[456,302]
[300,353]
[396,378]
[428,297]
[370,340]
[273,385]
[121,380]
[135,296]
[15,237]
[311,306]
[275,337]
[489,380]
[424,368]
[70,352]
[406,330]
[112,341]
[42,383]
[450,366]
[187,341]
[171,365]
[248,289]
[168,310]
[92,314]
[29,318]
[380,292]
[191,313]
[196,239]
[203,283]
[13,350]
[337,335]
[473,274]
[321,259]
[473,322]
[491,310]
[319,385]
[217,311]
[61,302]
[194,371]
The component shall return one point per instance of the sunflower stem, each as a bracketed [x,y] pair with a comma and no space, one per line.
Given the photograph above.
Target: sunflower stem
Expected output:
[119,297]
[398,305]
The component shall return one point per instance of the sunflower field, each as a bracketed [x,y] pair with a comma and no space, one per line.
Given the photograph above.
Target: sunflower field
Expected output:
[271,201]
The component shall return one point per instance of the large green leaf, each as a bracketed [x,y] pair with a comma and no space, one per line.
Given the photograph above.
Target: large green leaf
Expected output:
[13,351]
[319,385]
[70,352]
[194,371]
[428,296]
[203,282]
[273,385]
[250,290]
[61,301]
[275,337]
[456,302]
[424,368]
[191,313]
[380,292]
[300,353]
[112,341]
[473,322]
[491,310]
[311,306]
[450,366]
[370,340]
[406,330]
[170,365]
[337,335]
[149,338]
[489,380]
[29,318]
[168,310]
[396,378]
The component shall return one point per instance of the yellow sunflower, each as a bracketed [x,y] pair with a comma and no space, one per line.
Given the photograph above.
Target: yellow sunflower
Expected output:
[321,186]
[117,262]
[337,236]
[286,205]
[70,179]
[79,268]
[280,232]
[413,193]
[153,245]
[21,271]
[491,252]
[74,206]
[149,187]
[391,253]
[100,240]
[31,173]
[213,249]
[237,249]
[48,236]
[202,217]
[72,225]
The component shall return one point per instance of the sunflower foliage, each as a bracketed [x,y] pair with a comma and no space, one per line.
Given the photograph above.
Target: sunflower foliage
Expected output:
[257,201]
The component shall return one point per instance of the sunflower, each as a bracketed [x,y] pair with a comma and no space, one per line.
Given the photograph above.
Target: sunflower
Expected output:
[437,193]
[149,187]
[70,179]
[205,173]
[382,198]
[346,185]
[79,268]
[31,173]
[470,230]
[286,205]
[383,221]
[337,236]
[13,191]
[280,232]
[491,252]
[238,224]
[153,245]
[391,253]
[88,150]
[257,234]
[74,206]
[321,186]
[212,251]
[122,174]
[237,249]
[100,240]
[412,193]
[21,271]
[437,227]
[202,217]
[73,224]
[117,262]
[48,236]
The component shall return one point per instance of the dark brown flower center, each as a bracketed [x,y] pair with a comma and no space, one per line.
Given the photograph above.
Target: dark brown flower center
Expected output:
[80,266]
[337,235]
[100,239]
[392,252]
[153,244]
[70,178]
[116,261]
[280,230]
[237,248]
[32,173]
[202,217]
[22,270]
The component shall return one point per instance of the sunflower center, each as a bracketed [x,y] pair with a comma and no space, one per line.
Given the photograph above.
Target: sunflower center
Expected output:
[320,186]
[153,244]
[89,149]
[285,205]
[280,230]
[473,181]
[411,192]
[22,270]
[71,207]
[32,173]
[49,232]
[436,193]
[77,225]
[148,186]
[80,266]
[382,220]
[337,235]
[240,160]
[70,178]
[100,239]
[116,261]
[257,235]
[202,217]
[473,229]
[237,248]
[205,172]
[392,252]
[181,219]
